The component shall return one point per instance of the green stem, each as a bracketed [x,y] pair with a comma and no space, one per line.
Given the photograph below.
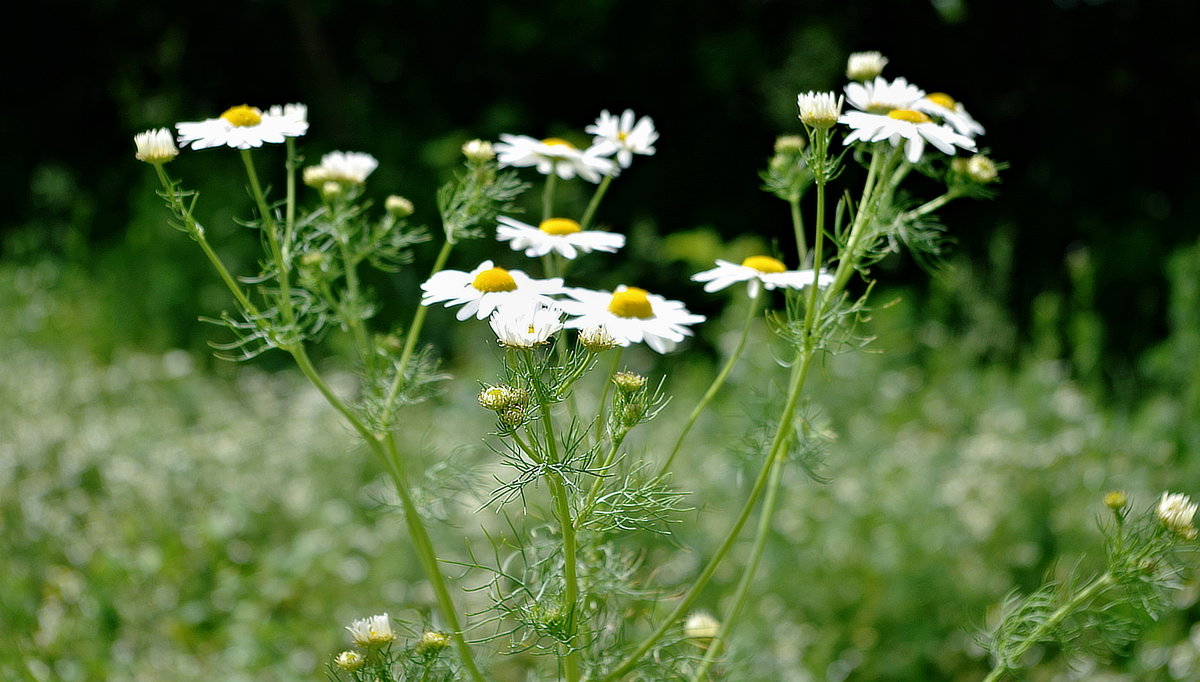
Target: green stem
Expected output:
[412,334]
[354,322]
[1093,589]
[562,508]
[289,226]
[590,212]
[602,408]
[596,484]
[849,256]
[548,196]
[798,227]
[931,205]
[277,254]
[719,381]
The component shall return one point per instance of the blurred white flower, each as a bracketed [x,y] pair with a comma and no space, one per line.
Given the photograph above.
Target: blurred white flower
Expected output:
[349,660]
[758,271]
[350,168]
[881,96]
[623,136]
[244,127]
[943,106]
[1176,510]
[478,151]
[552,155]
[912,127]
[863,66]
[373,630]
[631,315]
[481,291]
[525,324]
[701,625]
[155,146]
[556,234]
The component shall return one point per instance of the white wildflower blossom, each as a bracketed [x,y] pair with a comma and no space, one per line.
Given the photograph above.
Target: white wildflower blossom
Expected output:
[623,136]
[759,271]
[371,631]
[245,127]
[526,324]
[155,146]
[819,109]
[880,96]
[952,112]
[1176,510]
[481,291]
[350,168]
[911,127]
[562,235]
[631,315]
[863,66]
[553,155]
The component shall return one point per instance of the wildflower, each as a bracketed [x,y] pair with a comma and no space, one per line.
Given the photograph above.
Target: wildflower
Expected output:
[371,631]
[498,397]
[819,109]
[478,151]
[526,324]
[556,234]
[553,155]
[702,627]
[597,339]
[481,291]
[155,146]
[244,127]
[1176,510]
[1116,500]
[758,271]
[398,206]
[628,382]
[348,168]
[623,136]
[943,106]
[631,315]
[349,661]
[909,125]
[981,169]
[863,66]
[881,96]
[432,642]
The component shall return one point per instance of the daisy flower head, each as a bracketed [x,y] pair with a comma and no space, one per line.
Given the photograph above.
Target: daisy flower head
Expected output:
[819,109]
[155,146]
[481,291]
[912,127]
[556,234]
[525,324]
[952,112]
[245,127]
[880,96]
[630,315]
[1176,510]
[553,155]
[863,66]
[346,168]
[371,631]
[624,136]
[759,271]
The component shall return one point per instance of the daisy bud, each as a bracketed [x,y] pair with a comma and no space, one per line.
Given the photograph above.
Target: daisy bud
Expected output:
[512,416]
[981,169]
[372,631]
[1176,510]
[315,176]
[497,398]
[349,661]
[701,627]
[819,109]
[1116,500]
[478,151]
[155,146]
[398,207]
[431,643]
[628,382]
[789,144]
[863,66]
[597,339]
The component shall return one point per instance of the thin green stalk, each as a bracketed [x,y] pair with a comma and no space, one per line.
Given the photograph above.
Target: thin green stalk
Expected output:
[548,196]
[798,228]
[595,490]
[602,408]
[755,305]
[931,205]
[1093,589]
[289,225]
[355,323]
[558,492]
[590,212]
[269,226]
[849,256]
[412,334]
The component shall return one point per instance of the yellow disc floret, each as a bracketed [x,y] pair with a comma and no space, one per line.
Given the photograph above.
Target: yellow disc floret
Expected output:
[494,279]
[909,115]
[559,226]
[942,99]
[557,142]
[764,264]
[631,302]
[243,116]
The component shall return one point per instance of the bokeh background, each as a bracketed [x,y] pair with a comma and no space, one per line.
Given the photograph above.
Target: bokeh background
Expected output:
[1052,354]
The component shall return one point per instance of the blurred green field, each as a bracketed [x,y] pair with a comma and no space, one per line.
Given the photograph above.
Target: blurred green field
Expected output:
[167,517]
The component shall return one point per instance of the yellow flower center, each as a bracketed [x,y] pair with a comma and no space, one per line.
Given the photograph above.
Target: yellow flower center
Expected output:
[631,302]
[557,142]
[909,115]
[494,279]
[942,99]
[243,116]
[559,226]
[764,264]
[622,136]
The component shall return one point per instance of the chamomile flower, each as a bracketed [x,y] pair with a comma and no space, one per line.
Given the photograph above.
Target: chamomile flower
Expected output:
[155,146]
[819,109]
[943,106]
[347,168]
[556,234]
[244,127]
[630,315]
[911,126]
[553,155]
[759,271]
[481,291]
[1176,510]
[371,631]
[880,96]
[525,324]
[623,136]
[863,66]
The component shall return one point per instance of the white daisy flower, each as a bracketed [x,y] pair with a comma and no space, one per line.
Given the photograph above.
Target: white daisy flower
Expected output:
[155,146]
[481,291]
[914,127]
[880,96]
[553,155]
[244,127]
[1176,510]
[556,234]
[943,106]
[863,66]
[630,315]
[819,109]
[526,324]
[763,271]
[347,168]
[373,630]
[623,136]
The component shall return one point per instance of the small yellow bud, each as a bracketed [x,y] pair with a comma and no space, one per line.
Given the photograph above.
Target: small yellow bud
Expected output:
[350,660]
[497,398]
[1116,500]
[312,259]
[513,416]
[398,206]
[628,382]
[432,642]
[981,169]
[478,151]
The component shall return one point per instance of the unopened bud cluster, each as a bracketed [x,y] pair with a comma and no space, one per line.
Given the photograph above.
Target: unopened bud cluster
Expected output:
[501,397]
